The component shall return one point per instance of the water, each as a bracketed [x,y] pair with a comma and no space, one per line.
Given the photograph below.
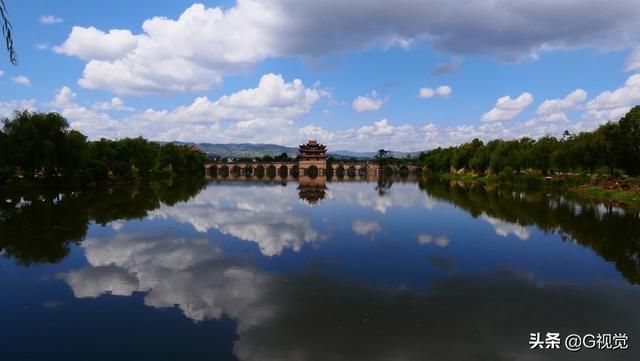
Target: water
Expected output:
[358,270]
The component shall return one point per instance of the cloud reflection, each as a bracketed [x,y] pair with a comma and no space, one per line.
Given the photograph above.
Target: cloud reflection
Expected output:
[264,215]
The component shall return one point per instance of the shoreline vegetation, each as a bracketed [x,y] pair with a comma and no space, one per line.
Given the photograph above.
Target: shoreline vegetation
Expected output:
[603,164]
[41,147]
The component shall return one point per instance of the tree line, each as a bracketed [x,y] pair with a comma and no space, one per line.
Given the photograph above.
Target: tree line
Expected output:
[34,144]
[613,148]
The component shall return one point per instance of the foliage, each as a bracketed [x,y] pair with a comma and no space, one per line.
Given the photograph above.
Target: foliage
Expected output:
[613,145]
[43,145]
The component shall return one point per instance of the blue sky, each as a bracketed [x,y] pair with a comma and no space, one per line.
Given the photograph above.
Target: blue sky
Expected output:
[349,73]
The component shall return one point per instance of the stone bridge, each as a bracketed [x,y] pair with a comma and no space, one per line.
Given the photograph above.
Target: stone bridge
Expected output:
[292,170]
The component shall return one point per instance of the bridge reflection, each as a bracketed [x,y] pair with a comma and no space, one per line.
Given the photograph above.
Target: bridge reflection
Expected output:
[313,190]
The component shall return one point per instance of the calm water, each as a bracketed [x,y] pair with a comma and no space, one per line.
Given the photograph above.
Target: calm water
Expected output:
[309,271]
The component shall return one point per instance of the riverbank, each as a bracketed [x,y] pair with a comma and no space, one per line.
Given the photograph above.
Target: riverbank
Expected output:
[601,188]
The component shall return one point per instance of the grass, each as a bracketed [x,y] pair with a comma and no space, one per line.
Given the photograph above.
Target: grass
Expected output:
[610,194]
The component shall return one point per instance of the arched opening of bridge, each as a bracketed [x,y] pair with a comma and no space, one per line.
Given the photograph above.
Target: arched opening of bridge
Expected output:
[295,171]
[362,171]
[329,172]
[418,171]
[224,171]
[404,171]
[213,171]
[387,171]
[260,172]
[236,171]
[312,172]
[340,172]
[283,171]
[351,172]
[248,171]
[271,171]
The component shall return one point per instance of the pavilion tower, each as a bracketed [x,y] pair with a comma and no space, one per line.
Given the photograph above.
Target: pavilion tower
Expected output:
[312,159]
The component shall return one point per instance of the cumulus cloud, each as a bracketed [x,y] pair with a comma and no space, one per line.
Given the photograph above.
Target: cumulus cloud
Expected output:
[507,108]
[262,114]
[450,67]
[612,105]
[203,44]
[1,72]
[571,101]
[367,103]
[363,227]
[115,103]
[554,110]
[93,44]
[441,91]
[49,19]
[95,124]
[21,80]
[8,108]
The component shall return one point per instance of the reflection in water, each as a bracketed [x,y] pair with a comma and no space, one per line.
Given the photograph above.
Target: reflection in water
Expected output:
[612,232]
[311,317]
[39,226]
[190,273]
[438,304]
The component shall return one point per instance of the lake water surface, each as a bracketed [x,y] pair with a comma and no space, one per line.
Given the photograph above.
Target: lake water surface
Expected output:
[345,270]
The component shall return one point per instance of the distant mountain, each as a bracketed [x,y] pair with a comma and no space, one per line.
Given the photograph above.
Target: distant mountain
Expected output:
[248,150]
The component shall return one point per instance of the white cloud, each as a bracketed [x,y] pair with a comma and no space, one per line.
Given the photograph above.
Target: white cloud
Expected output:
[633,60]
[554,110]
[1,72]
[571,101]
[49,19]
[21,80]
[91,123]
[116,103]
[363,227]
[262,114]
[612,105]
[367,103]
[43,46]
[95,45]
[8,108]
[204,44]
[442,91]
[507,108]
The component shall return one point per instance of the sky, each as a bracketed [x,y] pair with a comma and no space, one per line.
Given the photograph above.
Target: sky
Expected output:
[361,75]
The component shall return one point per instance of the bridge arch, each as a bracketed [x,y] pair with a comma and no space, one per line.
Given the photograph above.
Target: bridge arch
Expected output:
[248,171]
[351,171]
[271,171]
[260,172]
[224,171]
[295,171]
[283,171]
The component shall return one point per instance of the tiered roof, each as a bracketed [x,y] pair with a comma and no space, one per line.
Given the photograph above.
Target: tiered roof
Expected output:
[312,148]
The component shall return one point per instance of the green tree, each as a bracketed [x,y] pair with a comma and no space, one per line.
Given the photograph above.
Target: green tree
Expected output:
[629,141]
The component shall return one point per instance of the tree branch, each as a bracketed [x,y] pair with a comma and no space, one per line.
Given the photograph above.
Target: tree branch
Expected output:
[7,32]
